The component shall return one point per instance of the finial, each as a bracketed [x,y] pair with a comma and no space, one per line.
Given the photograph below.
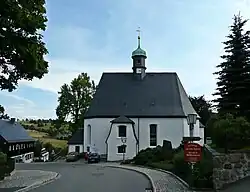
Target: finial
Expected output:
[139,38]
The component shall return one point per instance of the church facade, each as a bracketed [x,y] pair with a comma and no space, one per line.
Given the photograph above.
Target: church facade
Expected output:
[138,109]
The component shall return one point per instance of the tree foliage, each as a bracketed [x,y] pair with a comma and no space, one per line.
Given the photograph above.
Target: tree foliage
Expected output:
[202,107]
[74,99]
[2,113]
[233,86]
[21,47]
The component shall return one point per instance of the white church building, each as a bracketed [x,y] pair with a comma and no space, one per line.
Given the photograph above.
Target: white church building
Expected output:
[139,109]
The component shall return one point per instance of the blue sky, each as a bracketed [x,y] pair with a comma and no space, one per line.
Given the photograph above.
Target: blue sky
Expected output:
[98,36]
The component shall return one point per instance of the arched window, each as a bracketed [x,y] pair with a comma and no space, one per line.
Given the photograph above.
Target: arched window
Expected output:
[89,134]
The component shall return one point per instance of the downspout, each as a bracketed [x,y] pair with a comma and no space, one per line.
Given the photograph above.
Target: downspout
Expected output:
[138,146]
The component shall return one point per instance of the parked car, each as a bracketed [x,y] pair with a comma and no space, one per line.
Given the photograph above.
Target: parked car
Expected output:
[94,158]
[72,156]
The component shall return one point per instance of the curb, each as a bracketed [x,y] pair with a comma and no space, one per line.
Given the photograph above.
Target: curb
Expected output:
[175,176]
[168,172]
[39,183]
[131,169]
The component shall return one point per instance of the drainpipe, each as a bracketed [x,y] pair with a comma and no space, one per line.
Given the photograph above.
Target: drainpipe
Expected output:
[138,136]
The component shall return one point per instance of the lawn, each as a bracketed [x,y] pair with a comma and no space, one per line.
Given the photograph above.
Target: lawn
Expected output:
[37,134]
[44,137]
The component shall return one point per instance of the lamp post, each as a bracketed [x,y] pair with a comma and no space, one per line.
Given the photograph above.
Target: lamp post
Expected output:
[191,120]
[124,140]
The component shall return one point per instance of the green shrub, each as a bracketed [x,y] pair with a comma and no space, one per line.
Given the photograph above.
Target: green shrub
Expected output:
[203,172]
[181,167]
[230,132]
[3,158]
[38,148]
[48,146]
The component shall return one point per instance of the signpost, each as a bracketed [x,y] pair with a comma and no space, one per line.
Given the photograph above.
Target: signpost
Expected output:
[192,152]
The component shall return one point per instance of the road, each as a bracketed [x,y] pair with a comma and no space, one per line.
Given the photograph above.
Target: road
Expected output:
[89,178]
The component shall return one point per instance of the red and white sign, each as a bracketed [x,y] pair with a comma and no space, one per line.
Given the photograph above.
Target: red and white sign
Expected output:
[192,152]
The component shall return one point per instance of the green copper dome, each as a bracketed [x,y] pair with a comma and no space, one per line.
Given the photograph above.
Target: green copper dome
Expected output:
[139,51]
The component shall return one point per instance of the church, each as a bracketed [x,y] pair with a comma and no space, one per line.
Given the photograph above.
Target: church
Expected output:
[139,109]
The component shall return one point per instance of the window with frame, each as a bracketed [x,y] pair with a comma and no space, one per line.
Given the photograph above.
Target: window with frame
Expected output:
[121,149]
[153,134]
[122,131]
[77,149]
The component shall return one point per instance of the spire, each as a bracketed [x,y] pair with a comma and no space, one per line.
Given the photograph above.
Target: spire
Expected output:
[139,52]
[139,37]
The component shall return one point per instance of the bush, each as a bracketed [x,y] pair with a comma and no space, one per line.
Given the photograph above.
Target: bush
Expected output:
[181,167]
[230,132]
[49,147]
[38,148]
[3,158]
[6,165]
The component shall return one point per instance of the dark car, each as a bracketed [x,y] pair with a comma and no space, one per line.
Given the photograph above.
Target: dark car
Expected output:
[94,158]
[72,156]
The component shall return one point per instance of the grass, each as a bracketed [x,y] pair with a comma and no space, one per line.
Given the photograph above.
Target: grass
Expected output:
[37,134]
[55,142]
[44,137]
[45,125]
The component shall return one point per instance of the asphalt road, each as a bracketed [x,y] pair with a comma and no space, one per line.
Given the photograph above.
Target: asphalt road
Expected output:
[89,178]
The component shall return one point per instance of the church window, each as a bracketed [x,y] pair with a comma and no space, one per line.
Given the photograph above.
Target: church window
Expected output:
[153,134]
[121,149]
[138,61]
[122,131]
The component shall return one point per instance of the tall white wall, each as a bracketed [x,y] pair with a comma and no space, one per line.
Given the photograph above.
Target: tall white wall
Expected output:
[114,141]
[172,129]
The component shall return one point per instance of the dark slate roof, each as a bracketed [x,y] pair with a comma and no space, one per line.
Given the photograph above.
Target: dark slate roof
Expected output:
[157,95]
[13,132]
[122,119]
[77,138]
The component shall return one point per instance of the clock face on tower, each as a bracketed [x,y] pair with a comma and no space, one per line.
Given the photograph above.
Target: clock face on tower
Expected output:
[138,70]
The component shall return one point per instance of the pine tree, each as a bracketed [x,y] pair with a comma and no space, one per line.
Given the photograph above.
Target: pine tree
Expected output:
[233,86]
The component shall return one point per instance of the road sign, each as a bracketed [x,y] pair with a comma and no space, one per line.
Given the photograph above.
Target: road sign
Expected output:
[192,152]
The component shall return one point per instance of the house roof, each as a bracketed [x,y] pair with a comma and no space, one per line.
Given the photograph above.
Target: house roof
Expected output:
[77,138]
[13,132]
[157,95]
[122,119]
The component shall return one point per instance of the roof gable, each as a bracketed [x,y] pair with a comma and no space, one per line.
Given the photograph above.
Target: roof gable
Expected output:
[157,95]
[77,138]
[13,132]
[122,119]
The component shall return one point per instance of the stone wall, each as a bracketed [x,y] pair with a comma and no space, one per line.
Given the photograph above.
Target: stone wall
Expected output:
[228,168]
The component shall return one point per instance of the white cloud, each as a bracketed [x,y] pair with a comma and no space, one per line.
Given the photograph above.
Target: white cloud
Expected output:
[20,99]
[203,24]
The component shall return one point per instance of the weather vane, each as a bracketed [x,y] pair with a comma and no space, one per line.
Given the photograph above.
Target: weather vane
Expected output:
[139,31]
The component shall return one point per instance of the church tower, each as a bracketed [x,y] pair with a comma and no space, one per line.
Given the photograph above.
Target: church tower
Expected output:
[139,56]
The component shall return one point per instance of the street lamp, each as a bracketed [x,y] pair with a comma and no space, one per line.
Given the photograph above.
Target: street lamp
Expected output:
[124,140]
[191,120]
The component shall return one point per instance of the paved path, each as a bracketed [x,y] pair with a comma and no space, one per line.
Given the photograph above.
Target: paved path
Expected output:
[23,178]
[163,182]
[88,178]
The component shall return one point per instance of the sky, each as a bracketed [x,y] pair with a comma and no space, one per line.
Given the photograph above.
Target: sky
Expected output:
[182,36]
